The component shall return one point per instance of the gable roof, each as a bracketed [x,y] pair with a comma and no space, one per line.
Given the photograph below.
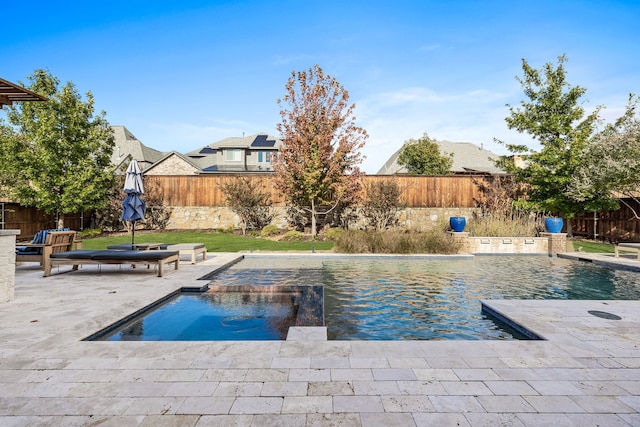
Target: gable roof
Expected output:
[175,158]
[467,157]
[252,142]
[128,146]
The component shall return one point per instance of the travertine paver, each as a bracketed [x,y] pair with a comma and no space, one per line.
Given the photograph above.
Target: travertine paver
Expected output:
[587,372]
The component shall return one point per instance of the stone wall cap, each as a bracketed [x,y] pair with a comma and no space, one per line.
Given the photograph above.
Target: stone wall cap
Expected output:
[9,232]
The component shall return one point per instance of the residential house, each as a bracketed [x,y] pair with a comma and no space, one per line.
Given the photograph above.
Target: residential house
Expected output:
[467,158]
[251,153]
[128,147]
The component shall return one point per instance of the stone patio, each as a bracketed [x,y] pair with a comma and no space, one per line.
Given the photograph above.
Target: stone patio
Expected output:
[586,372]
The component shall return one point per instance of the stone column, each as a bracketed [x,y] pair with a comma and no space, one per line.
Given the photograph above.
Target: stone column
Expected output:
[557,242]
[7,264]
[462,239]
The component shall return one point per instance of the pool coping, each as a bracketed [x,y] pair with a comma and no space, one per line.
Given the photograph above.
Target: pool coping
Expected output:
[587,371]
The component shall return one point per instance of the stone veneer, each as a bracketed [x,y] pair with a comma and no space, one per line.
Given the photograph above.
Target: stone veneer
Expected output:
[204,218]
[7,264]
[551,243]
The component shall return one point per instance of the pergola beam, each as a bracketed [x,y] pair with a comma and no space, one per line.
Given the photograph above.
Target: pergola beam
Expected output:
[10,93]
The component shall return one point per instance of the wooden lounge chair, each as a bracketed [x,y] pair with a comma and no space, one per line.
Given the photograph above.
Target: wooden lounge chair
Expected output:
[632,247]
[54,242]
[76,258]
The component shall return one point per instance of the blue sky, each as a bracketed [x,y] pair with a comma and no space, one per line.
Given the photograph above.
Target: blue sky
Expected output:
[183,74]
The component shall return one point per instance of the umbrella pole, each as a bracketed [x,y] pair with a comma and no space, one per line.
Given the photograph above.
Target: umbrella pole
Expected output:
[133,233]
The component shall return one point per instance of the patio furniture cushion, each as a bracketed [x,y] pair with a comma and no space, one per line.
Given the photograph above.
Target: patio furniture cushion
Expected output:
[39,239]
[116,255]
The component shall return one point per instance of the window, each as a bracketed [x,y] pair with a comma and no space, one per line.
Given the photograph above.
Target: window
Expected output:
[234,155]
[264,157]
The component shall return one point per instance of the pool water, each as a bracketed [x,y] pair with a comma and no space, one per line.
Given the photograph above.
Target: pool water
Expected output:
[402,298]
[209,316]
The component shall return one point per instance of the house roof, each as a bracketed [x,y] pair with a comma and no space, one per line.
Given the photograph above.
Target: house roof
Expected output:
[127,145]
[10,93]
[467,157]
[187,160]
[255,141]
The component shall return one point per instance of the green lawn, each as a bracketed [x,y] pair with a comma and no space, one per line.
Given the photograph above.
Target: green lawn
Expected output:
[215,242]
[593,247]
[226,242]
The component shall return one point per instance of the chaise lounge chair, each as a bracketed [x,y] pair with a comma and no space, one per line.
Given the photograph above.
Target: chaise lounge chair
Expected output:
[76,258]
[632,247]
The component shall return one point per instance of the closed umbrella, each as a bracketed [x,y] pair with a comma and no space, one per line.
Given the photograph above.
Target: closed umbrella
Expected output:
[133,207]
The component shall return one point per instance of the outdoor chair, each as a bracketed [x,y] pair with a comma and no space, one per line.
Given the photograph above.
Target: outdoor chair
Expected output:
[51,242]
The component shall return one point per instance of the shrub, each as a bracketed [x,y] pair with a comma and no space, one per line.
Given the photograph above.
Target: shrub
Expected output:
[396,242]
[334,233]
[89,232]
[270,230]
[247,199]
[516,223]
[156,216]
[381,204]
[293,236]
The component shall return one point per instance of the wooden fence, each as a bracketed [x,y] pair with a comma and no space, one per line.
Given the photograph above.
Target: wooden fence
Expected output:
[455,191]
[31,220]
[458,191]
[611,226]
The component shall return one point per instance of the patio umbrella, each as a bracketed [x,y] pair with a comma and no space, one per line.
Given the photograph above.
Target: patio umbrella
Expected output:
[133,207]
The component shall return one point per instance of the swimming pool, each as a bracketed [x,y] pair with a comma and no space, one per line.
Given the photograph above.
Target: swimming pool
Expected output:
[401,298]
[397,298]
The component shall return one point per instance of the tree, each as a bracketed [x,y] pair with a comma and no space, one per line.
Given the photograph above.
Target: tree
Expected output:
[553,116]
[382,203]
[610,168]
[62,156]
[248,200]
[10,148]
[317,163]
[423,157]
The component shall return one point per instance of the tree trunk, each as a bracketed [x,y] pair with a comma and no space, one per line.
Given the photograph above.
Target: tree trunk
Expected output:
[313,218]
[60,221]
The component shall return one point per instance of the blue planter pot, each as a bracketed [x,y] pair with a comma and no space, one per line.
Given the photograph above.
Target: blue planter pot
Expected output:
[457,223]
[553,225]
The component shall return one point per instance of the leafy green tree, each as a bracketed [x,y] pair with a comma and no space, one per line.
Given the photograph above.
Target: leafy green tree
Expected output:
[62,151]
[553,116]
[10,145]
[317,164]
[423,157]
[610,167]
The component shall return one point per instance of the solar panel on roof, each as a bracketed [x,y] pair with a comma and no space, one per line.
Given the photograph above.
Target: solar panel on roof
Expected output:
[212,168]
[262,141]
[208,150]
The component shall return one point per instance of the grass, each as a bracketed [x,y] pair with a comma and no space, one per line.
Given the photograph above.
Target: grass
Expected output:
[227,242]
[593,247]
[215,242]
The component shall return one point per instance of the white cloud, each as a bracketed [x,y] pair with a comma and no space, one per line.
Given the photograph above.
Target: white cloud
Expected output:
[391,118]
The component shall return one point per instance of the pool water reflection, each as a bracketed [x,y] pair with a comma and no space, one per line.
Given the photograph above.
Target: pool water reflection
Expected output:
[402,298]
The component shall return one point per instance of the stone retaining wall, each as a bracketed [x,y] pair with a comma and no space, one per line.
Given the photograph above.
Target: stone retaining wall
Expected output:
[548,243]
[203,218]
